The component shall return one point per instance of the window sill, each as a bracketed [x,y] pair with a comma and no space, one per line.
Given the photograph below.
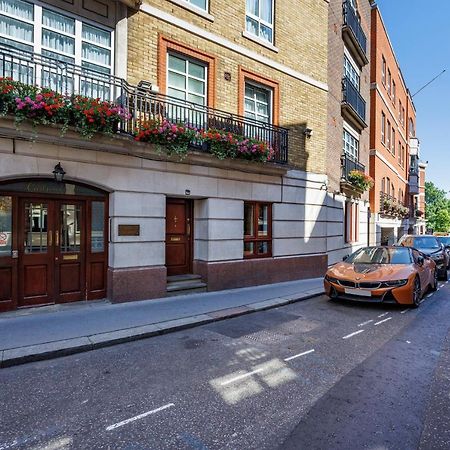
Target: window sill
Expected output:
[194,9]
[255,39]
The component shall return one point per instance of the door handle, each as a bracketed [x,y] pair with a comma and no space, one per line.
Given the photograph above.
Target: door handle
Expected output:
[50,238]
[57,238]
[188,229]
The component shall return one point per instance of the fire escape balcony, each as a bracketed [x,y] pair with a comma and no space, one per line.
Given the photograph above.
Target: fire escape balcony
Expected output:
[353,34]
[353,105]
[141,103]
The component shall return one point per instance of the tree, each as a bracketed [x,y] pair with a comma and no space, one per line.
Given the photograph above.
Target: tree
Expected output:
[437,208]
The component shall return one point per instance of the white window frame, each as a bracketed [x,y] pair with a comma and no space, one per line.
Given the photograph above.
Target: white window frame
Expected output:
[261,21]
[37,34]
[383,127]
[352,142]
[186,74]
[270,105]
[383,70]
[352,72]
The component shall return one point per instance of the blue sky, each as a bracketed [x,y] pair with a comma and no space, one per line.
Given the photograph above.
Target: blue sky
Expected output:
[420,33]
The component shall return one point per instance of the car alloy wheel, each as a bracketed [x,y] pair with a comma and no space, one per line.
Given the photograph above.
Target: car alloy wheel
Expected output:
[417,293]
[435,282]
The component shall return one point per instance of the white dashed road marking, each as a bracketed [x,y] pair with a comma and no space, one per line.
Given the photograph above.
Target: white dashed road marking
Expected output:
[365,323]
[297,356]
[240,377]
[382,321]
[429,295]
[405,311]
[352,334]
[140,416]
[384,314]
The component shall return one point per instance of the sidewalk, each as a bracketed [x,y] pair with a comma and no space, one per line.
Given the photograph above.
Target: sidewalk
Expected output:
[49,332]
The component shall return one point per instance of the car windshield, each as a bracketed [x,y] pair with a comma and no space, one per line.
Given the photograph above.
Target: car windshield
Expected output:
[444,239]
[380,255]
[426,242]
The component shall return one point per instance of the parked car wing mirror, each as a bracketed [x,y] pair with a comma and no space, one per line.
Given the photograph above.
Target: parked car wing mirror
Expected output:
[345,258]
[420,260]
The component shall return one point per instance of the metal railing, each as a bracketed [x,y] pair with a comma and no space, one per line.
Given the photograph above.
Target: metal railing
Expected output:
[352,21]
[349,163]
[390,206]
[352,97]
[142,104]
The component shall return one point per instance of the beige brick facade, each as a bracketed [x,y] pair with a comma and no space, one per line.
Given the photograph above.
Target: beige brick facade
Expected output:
[300,50]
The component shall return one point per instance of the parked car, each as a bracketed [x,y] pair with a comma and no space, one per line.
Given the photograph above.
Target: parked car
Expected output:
[445,241]
[382,275]
[431,247]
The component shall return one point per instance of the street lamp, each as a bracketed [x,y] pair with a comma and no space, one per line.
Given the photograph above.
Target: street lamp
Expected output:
[59,173]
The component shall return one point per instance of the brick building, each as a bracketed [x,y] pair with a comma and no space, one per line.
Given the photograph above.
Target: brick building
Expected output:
[349,36]
[393,141]
[128,221]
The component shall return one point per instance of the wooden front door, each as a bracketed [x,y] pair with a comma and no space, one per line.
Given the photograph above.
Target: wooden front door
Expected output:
[178,236]
[51,251]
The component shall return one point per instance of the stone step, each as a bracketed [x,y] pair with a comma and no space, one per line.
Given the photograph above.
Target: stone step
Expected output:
[184,286]
[184,277]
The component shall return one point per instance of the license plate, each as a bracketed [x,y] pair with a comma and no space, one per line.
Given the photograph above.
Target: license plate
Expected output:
[359,292]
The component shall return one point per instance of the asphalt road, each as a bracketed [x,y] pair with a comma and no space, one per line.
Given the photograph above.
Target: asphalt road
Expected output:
[312,375]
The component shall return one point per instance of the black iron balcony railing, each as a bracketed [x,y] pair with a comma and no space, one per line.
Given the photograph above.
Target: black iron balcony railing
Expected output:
[390,206]
[141,103]
[352,21]
[352,97]
[348,164]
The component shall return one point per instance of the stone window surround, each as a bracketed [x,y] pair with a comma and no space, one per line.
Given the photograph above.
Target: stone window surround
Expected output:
[195,9]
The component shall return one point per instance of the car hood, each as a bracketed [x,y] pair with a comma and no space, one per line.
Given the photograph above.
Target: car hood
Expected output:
[371,272]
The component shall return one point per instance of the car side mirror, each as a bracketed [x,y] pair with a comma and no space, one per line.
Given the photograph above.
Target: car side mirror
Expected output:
[345,258]
[420,260]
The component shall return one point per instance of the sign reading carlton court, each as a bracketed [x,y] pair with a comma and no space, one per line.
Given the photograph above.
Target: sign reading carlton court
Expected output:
[129,230]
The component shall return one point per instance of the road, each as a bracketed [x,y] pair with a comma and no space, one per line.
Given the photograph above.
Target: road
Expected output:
[311,375]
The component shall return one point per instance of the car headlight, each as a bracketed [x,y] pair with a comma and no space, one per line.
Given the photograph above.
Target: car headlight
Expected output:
[331,279]
[394,283]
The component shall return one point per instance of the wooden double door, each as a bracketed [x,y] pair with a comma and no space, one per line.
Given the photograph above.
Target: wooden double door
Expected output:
[52,257]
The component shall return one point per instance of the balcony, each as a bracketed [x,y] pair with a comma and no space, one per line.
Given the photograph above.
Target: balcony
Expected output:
[349,164]
[353,105]
[141,103]
[353,34]
[393,208]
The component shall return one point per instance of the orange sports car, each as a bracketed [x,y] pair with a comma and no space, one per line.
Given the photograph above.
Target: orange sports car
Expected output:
[382,274]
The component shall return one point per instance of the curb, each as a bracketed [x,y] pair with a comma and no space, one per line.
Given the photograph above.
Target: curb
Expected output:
[56,349]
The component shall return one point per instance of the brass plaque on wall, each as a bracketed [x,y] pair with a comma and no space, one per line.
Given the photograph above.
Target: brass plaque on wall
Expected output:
[129,230]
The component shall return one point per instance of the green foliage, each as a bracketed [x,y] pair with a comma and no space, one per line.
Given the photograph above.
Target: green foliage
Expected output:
[437,208]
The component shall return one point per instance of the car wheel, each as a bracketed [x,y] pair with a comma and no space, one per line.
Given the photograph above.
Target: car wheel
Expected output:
[434,283]
[416,293]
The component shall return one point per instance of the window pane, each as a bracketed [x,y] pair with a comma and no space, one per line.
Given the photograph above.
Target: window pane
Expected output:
[177,64]
[263,248]
[96,54]
[35,239]
[249,248]
[262,109]
[98,227]
[176,80]
[252,26]
[17,45]
[58,21]
[253,7]
[266,10]
[266,33]
[196,99]
[16,29]
[89,66]
[197,70]
[196,87]
[263,220]
[199,3]
[176,93]
[17,8]
[5,225]
[58,42]
[70,228]
[249,105]
[96,35]
[58,56]
[248,219]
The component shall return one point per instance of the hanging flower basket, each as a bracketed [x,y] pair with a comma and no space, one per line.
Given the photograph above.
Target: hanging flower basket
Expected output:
[360,180]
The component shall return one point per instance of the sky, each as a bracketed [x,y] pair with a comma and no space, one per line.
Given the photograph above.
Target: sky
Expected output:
[420,34]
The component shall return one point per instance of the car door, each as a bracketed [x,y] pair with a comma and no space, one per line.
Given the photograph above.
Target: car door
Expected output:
[423,270]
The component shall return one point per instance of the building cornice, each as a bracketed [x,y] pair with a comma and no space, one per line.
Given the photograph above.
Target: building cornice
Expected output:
[219,40]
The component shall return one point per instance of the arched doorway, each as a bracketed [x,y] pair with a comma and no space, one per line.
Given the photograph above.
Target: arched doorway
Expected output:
[53,243]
